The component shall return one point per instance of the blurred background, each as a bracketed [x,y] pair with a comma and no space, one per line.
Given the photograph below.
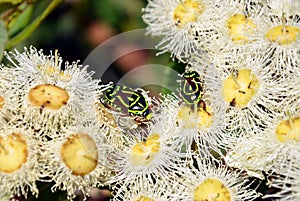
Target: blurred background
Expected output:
[77,27]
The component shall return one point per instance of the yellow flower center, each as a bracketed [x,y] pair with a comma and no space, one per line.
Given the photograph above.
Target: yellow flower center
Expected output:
[239,90]
[54,70]
[187,11]
[143,152]
[239,28]
[288,130]
[192,119]
[1,102]
[212,190]
[283,35]
[48,96]
[144,198]
[13,152]
[79,153]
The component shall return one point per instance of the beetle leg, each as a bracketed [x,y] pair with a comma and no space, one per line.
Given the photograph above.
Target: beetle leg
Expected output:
[203,104]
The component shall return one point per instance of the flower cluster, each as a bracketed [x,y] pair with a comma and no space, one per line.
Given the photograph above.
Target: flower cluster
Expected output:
[247,55]
[61,126]
[46,133]
[234,123]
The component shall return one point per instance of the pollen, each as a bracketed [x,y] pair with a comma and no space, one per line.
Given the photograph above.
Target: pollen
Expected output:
[187,11]
[2,101]
[48,96]
[288,130]
[211,189]
[144,198]
[239,90]
[50,71]
[206,117]
[203,118]
[13,152]
[239,28]
[61,74]
[144,152]
[54,70]
[283,35]
[80,154]
[105,115]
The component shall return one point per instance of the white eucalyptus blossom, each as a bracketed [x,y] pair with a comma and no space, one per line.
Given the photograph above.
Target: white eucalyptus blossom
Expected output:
[176,21]
[19,167]
[145,189]
[218,182]
[149,151]
[271,150]
[76,159]
[234,22]
[9,98]
[50,95]
[277,40]
[251,95]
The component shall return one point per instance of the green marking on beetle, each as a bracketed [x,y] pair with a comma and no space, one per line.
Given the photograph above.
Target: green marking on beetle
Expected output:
[127,100]
[193,88]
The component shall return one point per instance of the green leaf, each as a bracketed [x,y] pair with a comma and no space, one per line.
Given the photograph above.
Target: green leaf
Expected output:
[27,31]
[3,38]
[21,21]
[11,1]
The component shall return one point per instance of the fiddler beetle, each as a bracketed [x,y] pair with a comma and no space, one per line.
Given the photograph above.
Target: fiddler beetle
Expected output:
[126,100]
[192,89]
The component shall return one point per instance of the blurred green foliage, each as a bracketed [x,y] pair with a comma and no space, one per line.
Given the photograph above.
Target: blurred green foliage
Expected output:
[21,19]
[67,27]
[3,37]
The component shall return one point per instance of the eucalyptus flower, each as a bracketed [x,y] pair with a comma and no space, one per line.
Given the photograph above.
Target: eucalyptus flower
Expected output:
[148,151]
[76,160]
[19,155]
[217,182]
[145,189]
[50,95]
[175,21]
[271,150]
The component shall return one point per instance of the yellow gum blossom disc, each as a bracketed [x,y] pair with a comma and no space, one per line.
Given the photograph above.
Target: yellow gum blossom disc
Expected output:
[144,198]
[143,152]
[239,28]
[79,153]
[48,96]
[288,130]
[211,190]
[283,35]
[187,11]
[1,102]
[13,153]
[191,119]
[239,90]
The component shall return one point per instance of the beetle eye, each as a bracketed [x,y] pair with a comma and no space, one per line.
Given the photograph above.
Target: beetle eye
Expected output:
[135,107]
[145,113]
